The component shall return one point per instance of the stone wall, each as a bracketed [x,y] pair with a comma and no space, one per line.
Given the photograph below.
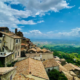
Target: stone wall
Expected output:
[9,59]
[8,75]
[46,56]
[51,68]
[40,56]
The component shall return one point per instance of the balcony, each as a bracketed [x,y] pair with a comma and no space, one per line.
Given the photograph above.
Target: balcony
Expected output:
[4,54]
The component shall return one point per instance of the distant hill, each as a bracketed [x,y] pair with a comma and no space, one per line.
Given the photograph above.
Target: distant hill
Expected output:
[56,42]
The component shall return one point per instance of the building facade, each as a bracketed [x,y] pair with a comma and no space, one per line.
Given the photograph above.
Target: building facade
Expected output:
[7,73]
[10,47]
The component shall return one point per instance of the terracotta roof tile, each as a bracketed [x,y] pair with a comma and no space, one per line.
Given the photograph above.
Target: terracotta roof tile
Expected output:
[32,49]
[10,34]
[45,50]
[50,63]
[38,49]
[61,68]
[69,77]
[4,70]
[70,66]
[32,66]
[21,77]
[57,59]
[62,60]
[72,73]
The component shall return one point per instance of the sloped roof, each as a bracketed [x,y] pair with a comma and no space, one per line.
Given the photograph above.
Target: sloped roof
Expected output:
[69,77]
[4,27]
[57,59]
[21,77]
[27,39]
[38,49]
[10,34]
[76,78]
[70,66]
[32,49]
[31,66]
[61,68]
[62,60]
[50,63]
[72,73]
[4,70]
[45,50]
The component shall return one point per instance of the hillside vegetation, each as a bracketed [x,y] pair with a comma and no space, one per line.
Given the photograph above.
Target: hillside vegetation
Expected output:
[70,53]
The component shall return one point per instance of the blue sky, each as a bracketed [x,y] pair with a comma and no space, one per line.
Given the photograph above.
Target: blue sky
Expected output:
[42,19]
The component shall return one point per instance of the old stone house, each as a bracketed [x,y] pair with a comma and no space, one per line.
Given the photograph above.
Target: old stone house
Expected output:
[39,54]
[63,61]
[69,74]
[32,68]
[74,68]
[4,29]
[10,47]
[50,64]
[7,73]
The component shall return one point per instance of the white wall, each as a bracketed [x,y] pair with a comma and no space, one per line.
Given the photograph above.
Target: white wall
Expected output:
[51,68]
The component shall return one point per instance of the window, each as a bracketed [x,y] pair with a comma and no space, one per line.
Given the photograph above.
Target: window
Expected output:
[0,41]
[19,40]
[15,55]
[43,59]
[11,77]
[48,70]
[18,53]
[16,40]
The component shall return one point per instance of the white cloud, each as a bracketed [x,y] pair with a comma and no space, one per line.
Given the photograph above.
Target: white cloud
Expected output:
[35,32]
[73,33]
[38,7]
[40,21]
[10,17]
[79,8]
[51,34]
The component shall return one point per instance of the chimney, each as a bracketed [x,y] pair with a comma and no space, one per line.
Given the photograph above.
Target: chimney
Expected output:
[16,31]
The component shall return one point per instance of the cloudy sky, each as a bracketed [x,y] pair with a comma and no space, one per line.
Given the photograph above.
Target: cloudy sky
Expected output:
[42,19]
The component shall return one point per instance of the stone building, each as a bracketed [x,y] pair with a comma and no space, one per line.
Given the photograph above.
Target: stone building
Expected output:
[4,29]
[10,47]
[7,73]
[74,68]
[39,54]
[63,61]
[31,68]
[50,64]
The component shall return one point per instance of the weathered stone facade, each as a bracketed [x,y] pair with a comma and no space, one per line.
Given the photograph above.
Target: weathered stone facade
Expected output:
[8,76]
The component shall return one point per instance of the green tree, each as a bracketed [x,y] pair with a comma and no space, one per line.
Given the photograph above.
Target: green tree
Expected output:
[56,75]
